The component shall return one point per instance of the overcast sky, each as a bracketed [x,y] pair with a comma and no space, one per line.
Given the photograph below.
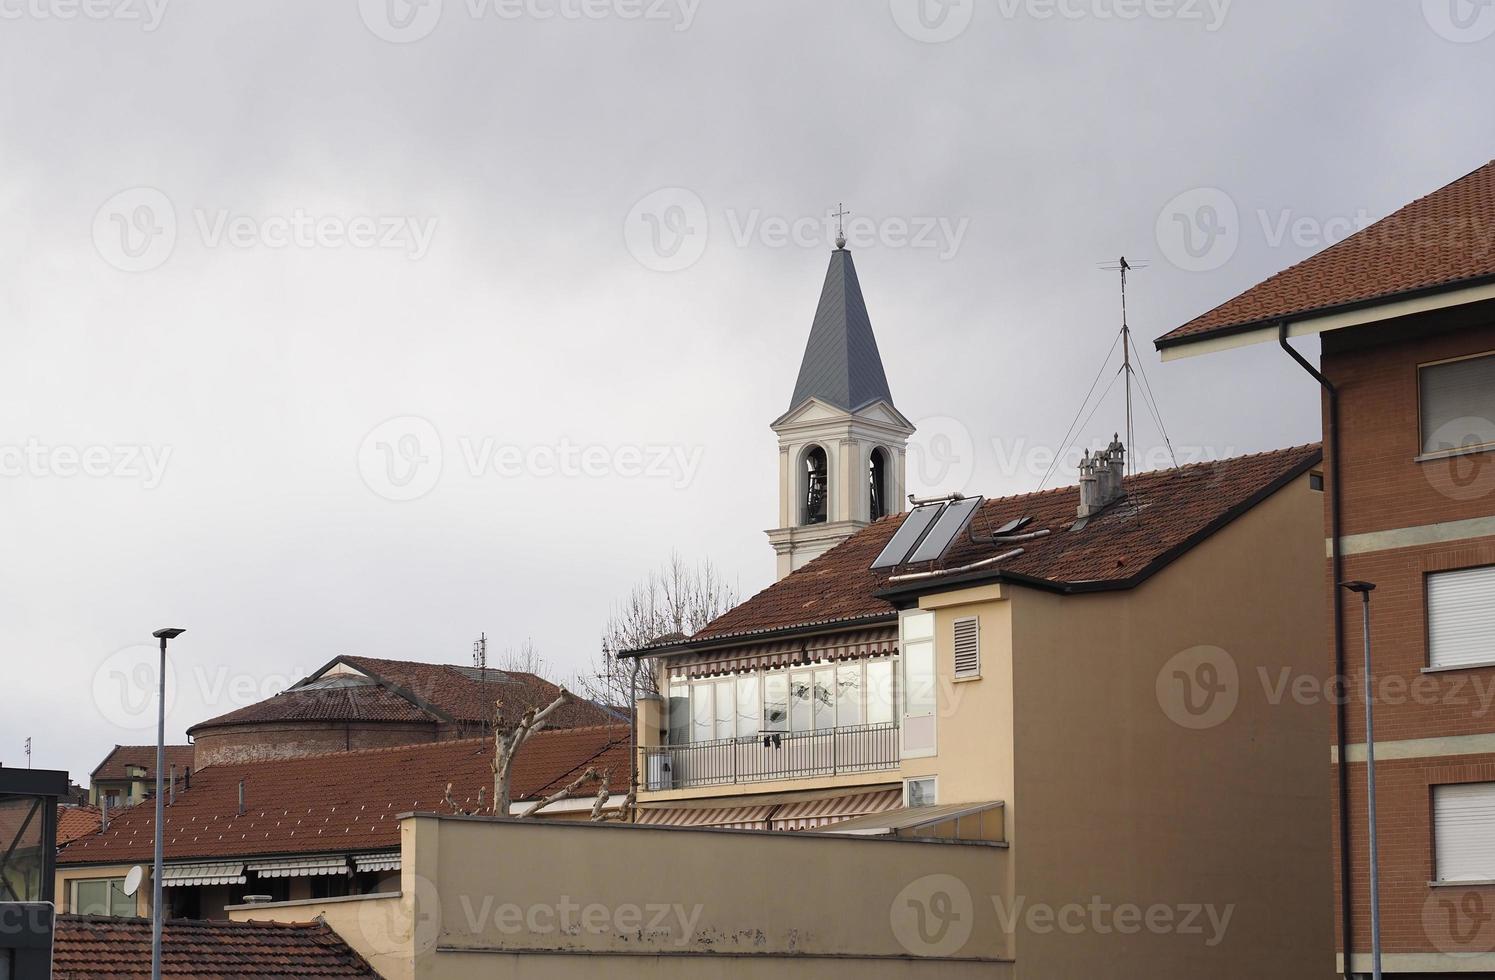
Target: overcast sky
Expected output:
[357,327]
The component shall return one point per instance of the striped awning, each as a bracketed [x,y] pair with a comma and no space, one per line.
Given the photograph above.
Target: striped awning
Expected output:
[814,814]
[731,817]
[873,642]
[385,861]
[213,873]
[301,867]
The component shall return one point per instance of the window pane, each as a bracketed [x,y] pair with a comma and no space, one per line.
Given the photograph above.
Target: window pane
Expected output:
[747,704]
[800,688]
[918,626]
[849,695]
[119,902]
[918,678]
[776,702]
[921,792]
[879,692]
[702,718]
[1456,400]
[726,706]
[679,720]
[825,698]
[91,897]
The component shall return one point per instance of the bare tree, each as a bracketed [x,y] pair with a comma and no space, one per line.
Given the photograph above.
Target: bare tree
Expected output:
[526,660]
[676,598]
[508,739]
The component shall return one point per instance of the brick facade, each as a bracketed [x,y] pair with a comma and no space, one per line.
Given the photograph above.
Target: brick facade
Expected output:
[1385,488]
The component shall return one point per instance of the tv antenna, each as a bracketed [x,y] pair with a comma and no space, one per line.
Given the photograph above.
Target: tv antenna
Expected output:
[28,751]
[480,652]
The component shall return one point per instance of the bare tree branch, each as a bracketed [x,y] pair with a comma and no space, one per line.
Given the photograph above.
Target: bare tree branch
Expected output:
[508,740]
[563,793]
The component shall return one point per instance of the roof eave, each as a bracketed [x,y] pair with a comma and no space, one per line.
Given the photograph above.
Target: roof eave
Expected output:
[779,633]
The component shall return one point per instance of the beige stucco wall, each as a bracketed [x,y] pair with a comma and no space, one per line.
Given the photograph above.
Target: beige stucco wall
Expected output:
[1119,795]
[492,899]
[67,874]
[377,926]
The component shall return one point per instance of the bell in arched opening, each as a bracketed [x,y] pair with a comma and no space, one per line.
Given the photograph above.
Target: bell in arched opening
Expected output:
[816,480]
[877,484]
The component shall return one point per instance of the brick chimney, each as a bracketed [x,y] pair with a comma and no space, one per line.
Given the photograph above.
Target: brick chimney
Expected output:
[1100,478]
[1089,487]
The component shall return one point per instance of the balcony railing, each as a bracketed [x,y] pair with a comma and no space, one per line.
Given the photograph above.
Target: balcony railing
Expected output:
[774,755]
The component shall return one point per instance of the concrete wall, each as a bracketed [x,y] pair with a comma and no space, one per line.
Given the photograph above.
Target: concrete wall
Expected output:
[378,926]
[1159,769]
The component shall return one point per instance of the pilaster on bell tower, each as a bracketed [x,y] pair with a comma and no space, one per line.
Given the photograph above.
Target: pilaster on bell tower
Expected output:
[842,444]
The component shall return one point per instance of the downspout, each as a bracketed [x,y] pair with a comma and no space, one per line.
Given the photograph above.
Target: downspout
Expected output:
[633,745]
[1336,559]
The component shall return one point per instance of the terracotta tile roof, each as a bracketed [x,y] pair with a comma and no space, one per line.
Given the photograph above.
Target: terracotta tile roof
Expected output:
[113,766]
[111,948]
[343,801]
[75,821]
[463,695]
[1440,240]
[1163,511]
[363,703]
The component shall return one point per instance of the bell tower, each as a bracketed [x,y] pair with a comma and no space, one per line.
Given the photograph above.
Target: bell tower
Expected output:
[842,443]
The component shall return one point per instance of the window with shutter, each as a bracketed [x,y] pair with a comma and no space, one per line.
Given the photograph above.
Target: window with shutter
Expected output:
[1456,404]
[1464,831]
[1461,617]
[967,648]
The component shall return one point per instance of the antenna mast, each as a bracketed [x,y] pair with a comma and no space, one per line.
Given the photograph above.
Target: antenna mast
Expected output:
[1126,367]
[480,652]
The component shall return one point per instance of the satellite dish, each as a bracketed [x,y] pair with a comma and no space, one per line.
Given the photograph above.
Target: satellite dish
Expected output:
[133,878]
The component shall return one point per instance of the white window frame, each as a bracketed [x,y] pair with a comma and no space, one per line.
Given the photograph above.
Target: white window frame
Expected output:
[133,903]
[933,781]
[1422,453]
[1442,873]
[904,687]
[1431,628]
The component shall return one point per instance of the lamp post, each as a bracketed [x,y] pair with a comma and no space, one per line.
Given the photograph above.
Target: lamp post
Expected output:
[1364,589]
[170,633]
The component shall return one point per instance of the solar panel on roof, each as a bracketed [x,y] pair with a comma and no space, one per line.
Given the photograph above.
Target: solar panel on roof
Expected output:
[910,533]
[954,520]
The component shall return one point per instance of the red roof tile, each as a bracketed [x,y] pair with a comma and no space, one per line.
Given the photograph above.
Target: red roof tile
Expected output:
[109,948]
[460,694]
[113,766]
[1164,511]
[344,801]
[1444,239]
[75,821]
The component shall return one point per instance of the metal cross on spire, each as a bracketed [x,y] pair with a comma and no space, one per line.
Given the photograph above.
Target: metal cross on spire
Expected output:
[838,214]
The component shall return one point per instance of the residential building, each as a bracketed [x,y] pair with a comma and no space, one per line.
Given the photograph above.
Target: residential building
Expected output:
[127,775]
[318,826]
[365,702]
[1404,311]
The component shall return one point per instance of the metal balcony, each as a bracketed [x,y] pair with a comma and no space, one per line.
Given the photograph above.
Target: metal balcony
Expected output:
[774,755]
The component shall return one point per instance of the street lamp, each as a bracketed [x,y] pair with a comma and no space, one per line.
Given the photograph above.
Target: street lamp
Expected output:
[170,633]
[1364,589]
